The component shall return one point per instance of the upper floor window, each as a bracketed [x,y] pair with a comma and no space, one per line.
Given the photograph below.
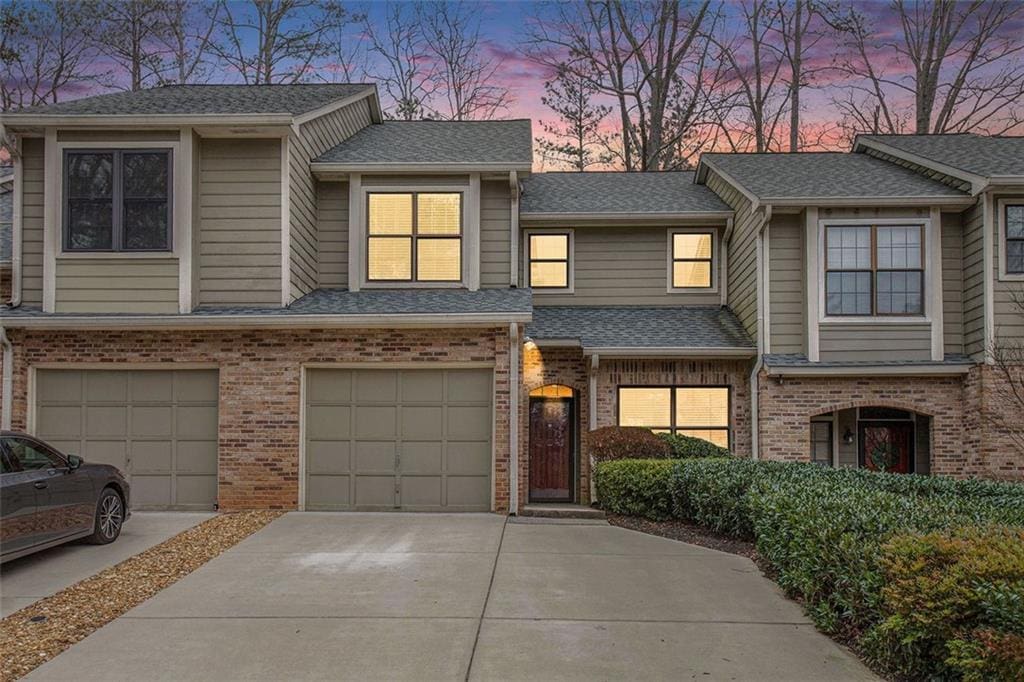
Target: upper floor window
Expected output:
[117,200]
[874,270]
[1014,219]
[414,237]
[692,254]
[548,255]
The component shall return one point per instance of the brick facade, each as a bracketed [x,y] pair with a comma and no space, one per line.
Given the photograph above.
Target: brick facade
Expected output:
[993,425]
[259,387]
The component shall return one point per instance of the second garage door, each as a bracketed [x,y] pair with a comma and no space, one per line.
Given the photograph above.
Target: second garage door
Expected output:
[157,426]
[412,439]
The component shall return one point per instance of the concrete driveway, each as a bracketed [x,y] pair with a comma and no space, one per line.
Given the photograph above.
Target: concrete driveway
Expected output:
[451,597]
[29,579]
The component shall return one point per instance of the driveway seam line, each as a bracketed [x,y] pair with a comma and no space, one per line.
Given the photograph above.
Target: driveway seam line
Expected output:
[487,598]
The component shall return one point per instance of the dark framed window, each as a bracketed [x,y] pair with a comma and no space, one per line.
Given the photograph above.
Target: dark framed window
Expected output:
[117,200]
[874,270]
[821,443]
[414,237]
[697,411]
[1013,219]
[549,260]
[692,256]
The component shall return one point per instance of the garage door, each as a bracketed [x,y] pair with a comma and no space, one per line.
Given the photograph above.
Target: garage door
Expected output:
[159,427]
[414,439]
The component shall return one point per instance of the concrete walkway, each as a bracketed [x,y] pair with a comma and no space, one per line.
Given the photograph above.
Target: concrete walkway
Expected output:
[27,580]
[451,597]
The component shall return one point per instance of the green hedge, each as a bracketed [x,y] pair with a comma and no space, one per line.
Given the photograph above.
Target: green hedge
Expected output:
[688,446]
[822,531]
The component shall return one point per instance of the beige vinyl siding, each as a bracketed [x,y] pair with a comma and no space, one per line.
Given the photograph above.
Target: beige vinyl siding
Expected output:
[117,285]
[1009,318]
[620,266]
[240,222]
[873,213]
[32,156]
[495,234]
[974,280]
[952,283]
[314,138]
[332,234]
[401,181]
[787,303]
[852,342]
[927,172]
[115,136]
[742,280]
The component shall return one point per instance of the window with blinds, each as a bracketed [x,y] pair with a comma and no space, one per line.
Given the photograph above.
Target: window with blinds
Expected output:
[696,411]
[414,237]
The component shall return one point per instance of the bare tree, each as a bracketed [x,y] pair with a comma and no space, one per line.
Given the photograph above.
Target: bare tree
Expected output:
[801,29]
[46,51]
[187,35]
[957,63]
[649,57]
[275,41]
[129,34]
[575,139]
[465,78]
[396,39]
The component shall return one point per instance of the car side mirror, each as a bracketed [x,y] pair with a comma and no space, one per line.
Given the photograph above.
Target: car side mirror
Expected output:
[74,461]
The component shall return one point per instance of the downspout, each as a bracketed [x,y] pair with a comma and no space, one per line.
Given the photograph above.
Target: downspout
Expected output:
[513,419]
[595,362]
[513,247]
[17,188]
[7,390]
[761,334]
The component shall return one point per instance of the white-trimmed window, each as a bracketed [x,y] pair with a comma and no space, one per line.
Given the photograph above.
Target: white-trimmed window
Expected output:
[549,260]
[696,411]
[874,270]
[117,200]
[692,254]
[1013,238]
[414,237]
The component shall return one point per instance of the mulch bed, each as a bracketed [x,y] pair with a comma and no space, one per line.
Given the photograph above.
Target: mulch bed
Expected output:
[685,532]
[37,633]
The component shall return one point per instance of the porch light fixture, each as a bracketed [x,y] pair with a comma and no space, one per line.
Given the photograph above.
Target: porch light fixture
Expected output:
[848,436]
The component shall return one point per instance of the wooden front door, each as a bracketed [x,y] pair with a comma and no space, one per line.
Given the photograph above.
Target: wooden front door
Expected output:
[887,446]
[551,449]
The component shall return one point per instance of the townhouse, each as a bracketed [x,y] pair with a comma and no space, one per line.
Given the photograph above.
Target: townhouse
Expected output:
[269,296]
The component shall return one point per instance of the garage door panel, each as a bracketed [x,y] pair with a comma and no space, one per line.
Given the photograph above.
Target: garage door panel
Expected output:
[329,386]
[59,421]
[63,386]
[114,452]
[151,457]
[196,386]
[152,422]
[196,422]
[196,457]
[422,386]
[421,491]
[375,491]
[469,458]
[376,386]
[376,422]
[327,492]
[422,423]
[151,491]
[106,421]
[420,457]
[106,387]
[469,423]
[468,492]
[375,456]
[194,490]
[328,457]
[328,423]
[469,387]
[152,386]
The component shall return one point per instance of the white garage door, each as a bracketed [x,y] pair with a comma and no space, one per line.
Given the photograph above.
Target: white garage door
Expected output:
[157,426]
[411,439]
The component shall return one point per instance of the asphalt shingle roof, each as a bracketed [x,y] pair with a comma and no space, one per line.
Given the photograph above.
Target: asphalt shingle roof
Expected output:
[978,154]
[621,327]
[617,193]
[186,100]
[791,360]
[376,302]
[437,142]
[824,175]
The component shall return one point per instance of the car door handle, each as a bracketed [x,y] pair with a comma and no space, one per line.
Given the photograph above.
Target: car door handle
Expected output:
[41,484]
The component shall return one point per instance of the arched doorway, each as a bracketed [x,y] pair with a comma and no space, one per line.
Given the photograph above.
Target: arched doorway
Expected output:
[553,444]
[873,437]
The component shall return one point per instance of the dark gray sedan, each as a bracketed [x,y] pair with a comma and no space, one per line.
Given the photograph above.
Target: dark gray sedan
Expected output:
[48,498]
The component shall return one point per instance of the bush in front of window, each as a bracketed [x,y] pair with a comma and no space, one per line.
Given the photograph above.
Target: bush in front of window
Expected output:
[622,442]
[637,487]
[688,446]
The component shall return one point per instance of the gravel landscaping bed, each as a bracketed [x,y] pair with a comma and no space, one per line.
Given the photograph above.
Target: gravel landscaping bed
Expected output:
[37,633]
[685,532]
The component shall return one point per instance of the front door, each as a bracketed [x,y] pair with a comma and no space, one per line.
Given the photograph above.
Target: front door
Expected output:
[551,449]
[887,446]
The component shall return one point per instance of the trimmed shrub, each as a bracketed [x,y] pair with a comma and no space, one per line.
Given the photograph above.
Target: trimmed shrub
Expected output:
[625,442]
[953,604]
[688,446]
[636,487]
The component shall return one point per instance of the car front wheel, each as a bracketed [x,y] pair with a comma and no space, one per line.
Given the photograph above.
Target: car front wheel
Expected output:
[109,518]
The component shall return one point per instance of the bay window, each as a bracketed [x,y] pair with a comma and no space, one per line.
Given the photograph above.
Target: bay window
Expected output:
[117,200]
[696,411]
[414,237]
[874,270]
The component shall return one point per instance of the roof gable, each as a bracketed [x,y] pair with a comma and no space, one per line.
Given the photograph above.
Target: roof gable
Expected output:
[981,156]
